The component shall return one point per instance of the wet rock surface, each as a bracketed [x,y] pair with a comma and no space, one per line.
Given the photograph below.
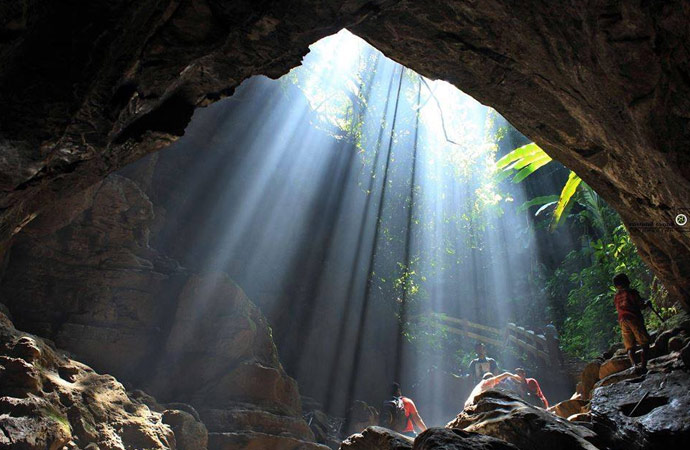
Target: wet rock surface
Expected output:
[500,415]
[377,438]
[455,439]
[49,401]
[568,408]
[645,412]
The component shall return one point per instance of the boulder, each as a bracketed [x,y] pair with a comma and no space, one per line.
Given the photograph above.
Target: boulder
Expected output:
[648,412]
[660,345]
[613,365]
[503,416]
[612,350]
[377,438]
[49,401]
[585,417]
[590,375]
[617,377]
[361,416]
[567,408]
[455,439]
[190,434]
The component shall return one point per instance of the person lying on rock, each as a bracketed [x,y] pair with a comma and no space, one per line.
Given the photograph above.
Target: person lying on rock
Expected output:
[481,365]
[629,306]
[530,386]
[400,414]
[489,381]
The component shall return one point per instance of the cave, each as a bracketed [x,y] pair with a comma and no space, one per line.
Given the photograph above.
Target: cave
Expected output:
[238,246]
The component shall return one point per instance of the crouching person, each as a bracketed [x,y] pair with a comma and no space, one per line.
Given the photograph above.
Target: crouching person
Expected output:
[400,414]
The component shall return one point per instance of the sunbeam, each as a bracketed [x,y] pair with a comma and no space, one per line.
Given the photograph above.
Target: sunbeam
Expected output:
[355,200]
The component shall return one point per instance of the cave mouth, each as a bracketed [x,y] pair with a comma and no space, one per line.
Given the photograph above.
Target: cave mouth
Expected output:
[383,223]
[357,204]
[360,206]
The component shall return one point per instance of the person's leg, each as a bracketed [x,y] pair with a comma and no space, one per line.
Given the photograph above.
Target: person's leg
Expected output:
[628,341]
[645,356]
[642,339]
[631,356]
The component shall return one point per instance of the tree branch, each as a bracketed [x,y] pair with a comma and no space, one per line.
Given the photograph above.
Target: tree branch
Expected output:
[440,110]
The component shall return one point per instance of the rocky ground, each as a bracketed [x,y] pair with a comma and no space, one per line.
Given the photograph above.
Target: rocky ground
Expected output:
[614,408]
[50,401]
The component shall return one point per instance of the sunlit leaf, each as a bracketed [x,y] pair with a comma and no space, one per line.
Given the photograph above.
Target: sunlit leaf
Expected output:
[518,154]
[537,201]
[533,166]
[566,194]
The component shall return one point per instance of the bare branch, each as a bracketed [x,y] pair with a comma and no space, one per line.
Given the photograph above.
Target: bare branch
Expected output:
[440,110]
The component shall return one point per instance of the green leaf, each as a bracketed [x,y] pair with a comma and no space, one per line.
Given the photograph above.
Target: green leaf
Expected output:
[503,174]
[566,195]
[538,201]
[518,154]
[534,165]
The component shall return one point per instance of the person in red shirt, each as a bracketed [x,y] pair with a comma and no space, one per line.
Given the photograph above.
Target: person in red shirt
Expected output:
[411,413]
[629,305]
[531,386]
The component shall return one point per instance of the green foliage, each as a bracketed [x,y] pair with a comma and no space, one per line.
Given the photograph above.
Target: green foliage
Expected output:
[528,159]
[583,280]
[543,201]
[565,197]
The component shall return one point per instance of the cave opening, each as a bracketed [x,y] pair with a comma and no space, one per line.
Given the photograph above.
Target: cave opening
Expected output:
[356,203]
[360,206]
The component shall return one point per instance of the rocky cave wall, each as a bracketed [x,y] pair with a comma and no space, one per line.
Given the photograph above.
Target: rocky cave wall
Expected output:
[84,276]
[602,86]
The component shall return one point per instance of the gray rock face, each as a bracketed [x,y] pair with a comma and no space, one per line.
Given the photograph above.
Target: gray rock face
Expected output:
[601,86]
[377,438]
[649,412]
[454,439]
[500,415]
